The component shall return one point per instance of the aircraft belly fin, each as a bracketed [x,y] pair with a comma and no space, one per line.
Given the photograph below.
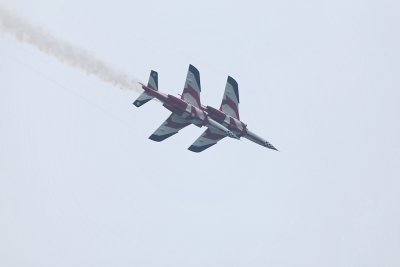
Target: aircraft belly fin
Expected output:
[171,126]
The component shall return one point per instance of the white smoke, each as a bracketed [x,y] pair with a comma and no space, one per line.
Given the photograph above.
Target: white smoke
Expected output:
[63,51]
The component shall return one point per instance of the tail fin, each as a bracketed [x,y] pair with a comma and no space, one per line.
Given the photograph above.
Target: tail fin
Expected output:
[230,102]
[153,84]
[192,89]
[153,80]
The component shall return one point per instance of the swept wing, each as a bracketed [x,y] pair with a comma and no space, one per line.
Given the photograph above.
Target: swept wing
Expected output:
[171,126]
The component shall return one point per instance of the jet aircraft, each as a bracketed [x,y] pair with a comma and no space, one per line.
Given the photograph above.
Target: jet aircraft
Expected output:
[185,110]
[189,110]
[228,115]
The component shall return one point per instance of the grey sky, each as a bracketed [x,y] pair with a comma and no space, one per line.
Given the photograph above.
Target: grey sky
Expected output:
[81,185]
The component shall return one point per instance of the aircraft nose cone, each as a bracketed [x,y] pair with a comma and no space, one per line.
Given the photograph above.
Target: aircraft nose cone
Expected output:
[270,146]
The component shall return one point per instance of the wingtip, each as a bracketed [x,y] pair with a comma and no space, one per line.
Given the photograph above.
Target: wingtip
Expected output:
[155,138]
[194,149]
[199,149]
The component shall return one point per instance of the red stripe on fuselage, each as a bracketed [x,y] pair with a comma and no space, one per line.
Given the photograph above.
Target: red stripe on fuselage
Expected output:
[160,96]
[177,102]
[216,114]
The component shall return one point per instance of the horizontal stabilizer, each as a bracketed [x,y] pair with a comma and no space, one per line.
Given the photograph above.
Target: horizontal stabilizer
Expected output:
[152,84]
[142,99]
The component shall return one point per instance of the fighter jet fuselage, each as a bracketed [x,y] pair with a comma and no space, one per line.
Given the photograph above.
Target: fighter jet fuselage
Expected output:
[238,127]
[188,110]
[179,107]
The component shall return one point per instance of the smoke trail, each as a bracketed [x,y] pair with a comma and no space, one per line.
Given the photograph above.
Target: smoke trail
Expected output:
[63,51]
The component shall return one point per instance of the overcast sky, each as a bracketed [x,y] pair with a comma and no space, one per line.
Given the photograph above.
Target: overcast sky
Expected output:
[82,185]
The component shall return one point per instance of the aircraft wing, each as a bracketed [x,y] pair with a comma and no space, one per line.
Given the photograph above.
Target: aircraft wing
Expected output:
[171,126]
[209,138]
